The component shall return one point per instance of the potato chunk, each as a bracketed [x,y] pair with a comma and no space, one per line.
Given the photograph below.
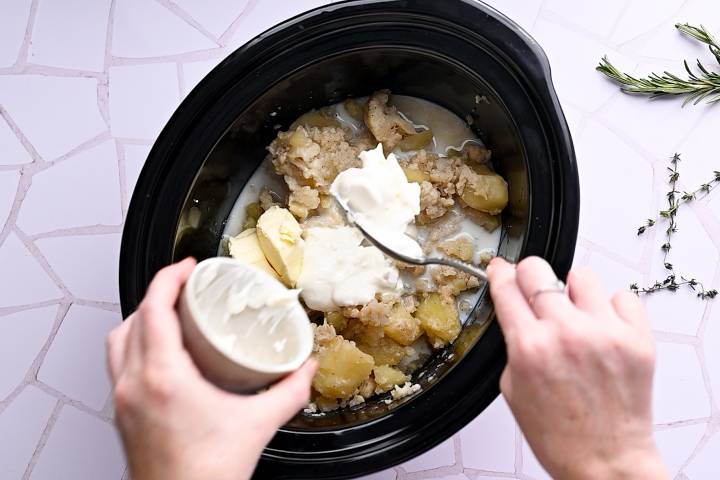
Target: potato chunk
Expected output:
[486,192]
[416,141]
[414,175]
[460,247]
[387,377]
[402,327]
[384,121]
[342,368]
[337,320]
[315,118]
[439,319]
[385,351]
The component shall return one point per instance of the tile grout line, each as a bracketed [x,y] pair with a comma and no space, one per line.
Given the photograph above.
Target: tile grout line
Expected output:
[232,28]
[40,258]
[34,155]
[98,229]
[181,81]
[183,15]
[27,38]
[43,439]
[122,178]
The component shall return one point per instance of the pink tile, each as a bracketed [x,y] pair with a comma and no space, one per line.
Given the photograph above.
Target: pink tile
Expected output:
[522,12]
[705,465]
[135,156]
[598,18]
[677,444]
[575,118]
[215,16]
[63,112]
[142,98]
[637,20]
[711,340]
[616,276]
[606,162]
[678,370]
[193,72]
[666,43]
[440,456]
[580,259]
[21,425]
[70,37]
[8,190]
[636,118]
[12,151]
[75,363]
[697,164]
[22,279]
[260,16]
[573,57]
[384,475]
[530,465]
[147,29]
[694,255]
[13,23]
[80,447]
[488,442]
[83,190]
[22,335]
[86,264]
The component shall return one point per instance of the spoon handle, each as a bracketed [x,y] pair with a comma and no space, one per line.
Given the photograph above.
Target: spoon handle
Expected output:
[465,267]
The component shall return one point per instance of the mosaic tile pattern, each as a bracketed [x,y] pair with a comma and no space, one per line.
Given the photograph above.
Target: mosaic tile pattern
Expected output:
[78,114]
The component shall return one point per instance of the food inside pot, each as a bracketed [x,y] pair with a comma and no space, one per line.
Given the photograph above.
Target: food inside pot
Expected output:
[376,321]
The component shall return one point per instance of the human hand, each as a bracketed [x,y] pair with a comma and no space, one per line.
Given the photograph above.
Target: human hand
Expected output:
[173,422]
[579,372]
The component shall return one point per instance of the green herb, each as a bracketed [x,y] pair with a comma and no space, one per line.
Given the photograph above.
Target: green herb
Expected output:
[676,198]
[697,87]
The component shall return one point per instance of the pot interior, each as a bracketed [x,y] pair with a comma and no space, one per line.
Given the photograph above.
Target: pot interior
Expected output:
[491,103]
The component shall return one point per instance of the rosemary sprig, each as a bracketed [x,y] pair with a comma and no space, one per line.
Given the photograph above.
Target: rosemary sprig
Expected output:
[697,87]
[676,198]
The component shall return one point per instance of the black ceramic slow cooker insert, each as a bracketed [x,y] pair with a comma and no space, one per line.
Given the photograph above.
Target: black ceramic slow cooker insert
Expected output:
[460,54]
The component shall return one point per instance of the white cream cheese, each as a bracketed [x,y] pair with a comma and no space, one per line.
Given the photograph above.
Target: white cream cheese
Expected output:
[338,271]
[381,199]
[247,314]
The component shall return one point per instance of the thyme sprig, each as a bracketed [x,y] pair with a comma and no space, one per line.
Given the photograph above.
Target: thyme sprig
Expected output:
[675,198]
[704,85]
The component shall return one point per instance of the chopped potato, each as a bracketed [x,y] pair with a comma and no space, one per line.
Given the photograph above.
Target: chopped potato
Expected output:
[337,320]
[387,377]
[360,332]
[315,118]
[417,141]
[485,192]
[460,247]
[415,175]
[326,404]
[484,219]
[439,319]
[402,327]
[354,108]
[342,368]
[385,352]
[252,213]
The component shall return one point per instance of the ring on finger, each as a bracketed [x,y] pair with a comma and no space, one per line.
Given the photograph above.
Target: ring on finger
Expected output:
[556,286]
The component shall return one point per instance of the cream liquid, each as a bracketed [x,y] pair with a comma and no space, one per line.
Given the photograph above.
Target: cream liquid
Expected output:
[449,131]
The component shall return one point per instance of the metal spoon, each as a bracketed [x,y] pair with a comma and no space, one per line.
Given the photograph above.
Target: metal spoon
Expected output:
[413,260]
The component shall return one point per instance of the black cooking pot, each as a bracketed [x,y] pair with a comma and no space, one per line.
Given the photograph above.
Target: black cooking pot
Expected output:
[460,54]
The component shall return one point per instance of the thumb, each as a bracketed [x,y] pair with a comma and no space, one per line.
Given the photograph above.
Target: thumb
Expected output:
[289,395]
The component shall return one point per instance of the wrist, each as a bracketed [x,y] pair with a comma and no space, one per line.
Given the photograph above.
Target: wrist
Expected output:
[631,464]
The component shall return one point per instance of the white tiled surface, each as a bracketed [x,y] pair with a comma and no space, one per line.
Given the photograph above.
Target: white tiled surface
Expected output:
[84,92]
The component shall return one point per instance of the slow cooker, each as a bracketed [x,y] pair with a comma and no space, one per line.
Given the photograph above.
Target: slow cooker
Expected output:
[460,54]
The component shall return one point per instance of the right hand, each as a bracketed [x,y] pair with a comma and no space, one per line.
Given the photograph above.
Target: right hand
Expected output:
[579,372]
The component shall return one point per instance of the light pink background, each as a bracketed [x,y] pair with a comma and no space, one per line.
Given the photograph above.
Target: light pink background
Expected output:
[85,86]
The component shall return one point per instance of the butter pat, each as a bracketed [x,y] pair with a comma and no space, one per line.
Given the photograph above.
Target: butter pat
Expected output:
[279,236]
[246,249]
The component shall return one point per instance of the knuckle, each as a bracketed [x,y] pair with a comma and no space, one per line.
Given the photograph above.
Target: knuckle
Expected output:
[124,397]
[157,384]
[529,264]
[529,354]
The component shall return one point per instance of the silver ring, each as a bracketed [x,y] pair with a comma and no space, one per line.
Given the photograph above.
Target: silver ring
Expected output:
[556,286]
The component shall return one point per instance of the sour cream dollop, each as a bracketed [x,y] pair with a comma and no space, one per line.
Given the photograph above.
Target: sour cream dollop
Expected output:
[381,199]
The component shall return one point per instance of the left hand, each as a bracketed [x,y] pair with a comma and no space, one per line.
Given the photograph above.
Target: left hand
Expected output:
[173,422]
